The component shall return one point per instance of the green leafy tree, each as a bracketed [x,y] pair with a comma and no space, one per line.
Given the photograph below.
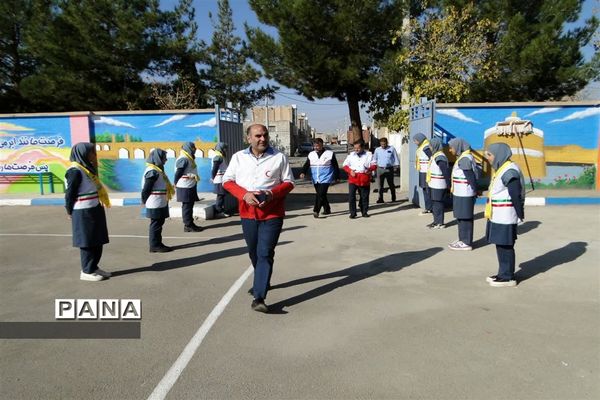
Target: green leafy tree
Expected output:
[16,61]
[176,79]
[92,54]
[229,74]
[326,48]
[538,56]
[447,50]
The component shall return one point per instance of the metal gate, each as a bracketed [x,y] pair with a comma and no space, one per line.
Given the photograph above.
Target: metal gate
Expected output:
[420,121]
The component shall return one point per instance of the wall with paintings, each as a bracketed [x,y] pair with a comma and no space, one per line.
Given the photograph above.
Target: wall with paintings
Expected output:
[555,144]
[33,143]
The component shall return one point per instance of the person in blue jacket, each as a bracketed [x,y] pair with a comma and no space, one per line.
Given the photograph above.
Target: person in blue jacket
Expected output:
[324,170]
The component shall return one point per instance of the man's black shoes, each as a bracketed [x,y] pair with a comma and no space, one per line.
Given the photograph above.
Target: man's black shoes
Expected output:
[161,249]
[259,306]
[193,228]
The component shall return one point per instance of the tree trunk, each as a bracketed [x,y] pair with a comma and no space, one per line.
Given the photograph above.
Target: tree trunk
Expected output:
[354,110]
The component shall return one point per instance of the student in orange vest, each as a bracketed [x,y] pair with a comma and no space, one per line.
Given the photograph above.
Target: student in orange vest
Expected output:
[464,193]
[438,180]
[505,208]
[156,193]
[423,154]
[85,199]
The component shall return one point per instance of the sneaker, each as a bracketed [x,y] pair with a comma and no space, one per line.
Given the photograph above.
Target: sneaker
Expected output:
[454,242]
[429,225]
[424,212]
[437,226]
[497,282]
[93,277]
[490,279]
[379,201]
[315,214]
[259,305]
[103,273]
[193,228]
[459,246]
[161,249]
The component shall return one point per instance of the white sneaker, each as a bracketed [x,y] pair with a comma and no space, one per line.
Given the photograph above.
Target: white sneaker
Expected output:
[424,212]
[460,246]
[502,283]
[94,277]
[454,242]
[104,274]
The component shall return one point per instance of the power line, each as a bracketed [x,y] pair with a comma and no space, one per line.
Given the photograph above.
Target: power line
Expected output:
[307,102]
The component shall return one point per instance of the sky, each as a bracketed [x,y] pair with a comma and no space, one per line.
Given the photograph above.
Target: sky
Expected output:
[325,115]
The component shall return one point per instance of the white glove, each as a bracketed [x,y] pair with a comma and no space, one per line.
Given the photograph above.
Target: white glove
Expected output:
[519,221]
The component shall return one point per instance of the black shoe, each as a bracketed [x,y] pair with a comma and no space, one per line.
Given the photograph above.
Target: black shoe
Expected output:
[161,249]
[365,215]
[315,214]
[326,212]
[193,228]
[393,199]
[379,201]
[352,216]
[259,305]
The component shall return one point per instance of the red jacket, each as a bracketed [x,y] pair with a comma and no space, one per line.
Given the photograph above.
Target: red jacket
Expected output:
[273,209]
[361,178]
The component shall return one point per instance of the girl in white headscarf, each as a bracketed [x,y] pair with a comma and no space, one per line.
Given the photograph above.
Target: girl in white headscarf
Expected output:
[156,193]
[85,199]
[504,210]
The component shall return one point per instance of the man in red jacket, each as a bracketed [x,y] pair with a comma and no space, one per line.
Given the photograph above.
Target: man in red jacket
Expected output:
[260,178]
[358,165]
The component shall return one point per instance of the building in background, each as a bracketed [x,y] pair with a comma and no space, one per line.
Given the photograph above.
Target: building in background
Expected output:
[287,127]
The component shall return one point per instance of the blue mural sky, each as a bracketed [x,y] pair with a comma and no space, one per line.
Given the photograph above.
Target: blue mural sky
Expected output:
[159,127]
[579,125]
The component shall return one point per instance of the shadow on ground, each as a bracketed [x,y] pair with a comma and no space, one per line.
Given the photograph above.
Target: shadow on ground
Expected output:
[551,259]
[390,263]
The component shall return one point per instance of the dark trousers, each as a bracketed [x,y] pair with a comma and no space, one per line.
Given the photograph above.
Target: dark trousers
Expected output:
[427,198]
[388,176]
[220,203]
[187,213]
[465,231]
[363,192]
[90,257]
[506,260]
[155,232]
[261,238]
[321,198]
[437,208]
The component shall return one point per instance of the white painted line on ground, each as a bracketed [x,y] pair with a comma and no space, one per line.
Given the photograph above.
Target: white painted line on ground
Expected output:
[535,201]
[15,202]
[110,236]
[164,386]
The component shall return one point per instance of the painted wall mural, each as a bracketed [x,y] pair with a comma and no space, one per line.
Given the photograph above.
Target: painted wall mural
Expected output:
[555,146]
[123,141]
[29,146]
[34,144]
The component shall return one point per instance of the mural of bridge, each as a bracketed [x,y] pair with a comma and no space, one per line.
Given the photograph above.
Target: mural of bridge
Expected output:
[140,150]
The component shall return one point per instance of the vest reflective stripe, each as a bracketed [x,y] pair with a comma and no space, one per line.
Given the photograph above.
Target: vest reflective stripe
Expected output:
[185,182]
[503,211]
[158,195]
[220,171]
[87,194]
[460,184]
[320,167]
[422,159]
[437,180]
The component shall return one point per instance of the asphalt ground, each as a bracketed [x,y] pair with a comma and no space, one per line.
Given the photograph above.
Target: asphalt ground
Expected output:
[374,308]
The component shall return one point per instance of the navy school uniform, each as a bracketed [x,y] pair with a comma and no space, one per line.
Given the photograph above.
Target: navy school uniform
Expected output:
[88,219]
[157,205]
[438,185]
[464,193]
[186,188]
